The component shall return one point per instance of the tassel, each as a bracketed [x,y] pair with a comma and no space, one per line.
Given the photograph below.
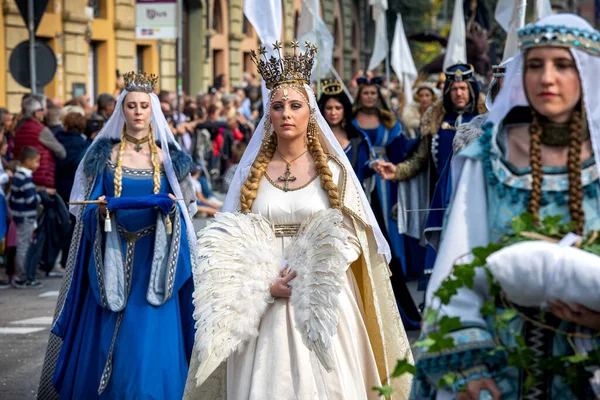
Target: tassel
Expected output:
[107,224]
[169,225]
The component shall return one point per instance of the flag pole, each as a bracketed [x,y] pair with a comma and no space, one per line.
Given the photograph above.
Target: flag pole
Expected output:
[318,57]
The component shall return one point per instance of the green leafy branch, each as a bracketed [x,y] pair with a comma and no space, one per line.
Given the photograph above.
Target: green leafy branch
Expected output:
[525,228]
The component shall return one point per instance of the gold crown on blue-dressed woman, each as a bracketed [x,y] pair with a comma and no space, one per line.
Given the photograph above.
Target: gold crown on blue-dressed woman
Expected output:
[290,68]
[559,36]
[140,82]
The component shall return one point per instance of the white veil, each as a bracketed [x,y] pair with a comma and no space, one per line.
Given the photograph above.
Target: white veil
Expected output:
[330,145]
[513,95]
[112,130]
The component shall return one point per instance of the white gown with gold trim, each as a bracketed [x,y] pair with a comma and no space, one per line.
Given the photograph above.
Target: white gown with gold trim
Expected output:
[277,364]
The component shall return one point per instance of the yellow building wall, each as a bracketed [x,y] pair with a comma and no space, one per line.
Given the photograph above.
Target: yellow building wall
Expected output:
[69,31]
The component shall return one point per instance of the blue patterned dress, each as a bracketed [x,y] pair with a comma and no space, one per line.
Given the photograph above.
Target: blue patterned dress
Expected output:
[507,192]
[142,351]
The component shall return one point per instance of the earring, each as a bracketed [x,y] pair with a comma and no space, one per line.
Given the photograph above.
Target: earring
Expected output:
[312,130]
[268,128]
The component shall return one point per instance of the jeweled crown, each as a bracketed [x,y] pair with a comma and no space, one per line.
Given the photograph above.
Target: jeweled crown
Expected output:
[331,87]
[559,36]
[288,67]
[140,82]
[459,72]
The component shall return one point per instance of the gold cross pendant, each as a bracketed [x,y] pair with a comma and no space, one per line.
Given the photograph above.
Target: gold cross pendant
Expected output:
[286,178]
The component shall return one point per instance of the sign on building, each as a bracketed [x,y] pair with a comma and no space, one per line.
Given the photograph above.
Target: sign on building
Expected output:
[156,19]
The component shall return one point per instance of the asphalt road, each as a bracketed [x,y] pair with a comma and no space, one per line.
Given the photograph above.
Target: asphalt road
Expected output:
[25,320]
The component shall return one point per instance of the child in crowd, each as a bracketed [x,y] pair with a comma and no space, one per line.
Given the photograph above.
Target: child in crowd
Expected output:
[23,202]
[236,155]
[205,206]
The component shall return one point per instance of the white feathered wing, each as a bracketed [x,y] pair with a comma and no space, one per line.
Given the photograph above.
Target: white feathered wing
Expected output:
[238,262]
[316,255]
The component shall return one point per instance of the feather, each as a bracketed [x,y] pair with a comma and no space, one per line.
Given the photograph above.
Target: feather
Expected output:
[238,260]
[316,256]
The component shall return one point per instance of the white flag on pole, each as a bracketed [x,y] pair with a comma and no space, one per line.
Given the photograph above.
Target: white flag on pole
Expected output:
[402,61]
[380,48]
[312,28]
[456,51]
[510,15]
[265,17]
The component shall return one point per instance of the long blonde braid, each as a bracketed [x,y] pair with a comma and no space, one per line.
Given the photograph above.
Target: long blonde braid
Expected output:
[118,180]
[155,162]
[249,189]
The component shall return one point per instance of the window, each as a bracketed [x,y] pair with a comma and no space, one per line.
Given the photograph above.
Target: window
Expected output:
[139,58]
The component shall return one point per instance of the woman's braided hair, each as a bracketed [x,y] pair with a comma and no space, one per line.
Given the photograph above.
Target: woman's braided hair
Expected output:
[249,189]
[573,167]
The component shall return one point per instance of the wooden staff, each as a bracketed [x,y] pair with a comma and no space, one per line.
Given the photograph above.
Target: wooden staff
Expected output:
[86,202]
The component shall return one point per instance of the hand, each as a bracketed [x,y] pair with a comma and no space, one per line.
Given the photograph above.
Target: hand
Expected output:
[172,197]
[385,169]
[9,173]
[51,191]
[474,388]
[102,206]
[280,287]
[577,314]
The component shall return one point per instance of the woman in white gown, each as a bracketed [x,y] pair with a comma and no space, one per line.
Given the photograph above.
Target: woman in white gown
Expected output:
[292,294]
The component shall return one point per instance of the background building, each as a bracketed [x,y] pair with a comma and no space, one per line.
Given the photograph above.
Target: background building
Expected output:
[93,39]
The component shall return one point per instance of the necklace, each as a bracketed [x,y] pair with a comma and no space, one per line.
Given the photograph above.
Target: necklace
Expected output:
[138,142]
[558,134]
[287,176]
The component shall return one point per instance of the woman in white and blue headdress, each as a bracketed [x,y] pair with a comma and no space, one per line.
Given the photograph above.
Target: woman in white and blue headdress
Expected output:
[538,153]
[124,319]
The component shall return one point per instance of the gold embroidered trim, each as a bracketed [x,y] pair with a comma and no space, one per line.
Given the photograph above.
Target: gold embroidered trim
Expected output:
[286,230]
[289,189]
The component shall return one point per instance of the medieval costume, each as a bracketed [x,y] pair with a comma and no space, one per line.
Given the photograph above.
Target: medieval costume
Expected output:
[488,192]
[123,326]
[340,332]
[411,116]
[429,161]
[386,142]
[357,150]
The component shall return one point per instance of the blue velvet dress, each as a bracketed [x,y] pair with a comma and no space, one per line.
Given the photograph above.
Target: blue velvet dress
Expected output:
[391,145]
[143,350]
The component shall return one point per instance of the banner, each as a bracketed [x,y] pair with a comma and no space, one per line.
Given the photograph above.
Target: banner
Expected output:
[156,19]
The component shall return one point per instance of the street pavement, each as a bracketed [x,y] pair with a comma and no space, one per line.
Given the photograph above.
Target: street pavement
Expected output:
[25,321]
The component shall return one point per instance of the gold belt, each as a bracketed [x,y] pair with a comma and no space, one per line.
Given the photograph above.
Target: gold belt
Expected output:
[286,230]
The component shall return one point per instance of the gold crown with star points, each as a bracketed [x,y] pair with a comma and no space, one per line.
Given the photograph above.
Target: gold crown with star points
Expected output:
[294,67]
[140,82]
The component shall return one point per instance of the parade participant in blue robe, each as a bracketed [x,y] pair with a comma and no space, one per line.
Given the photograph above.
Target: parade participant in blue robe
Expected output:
[383,132]
[336,108]
[539,153]
[124,326]
[461,102]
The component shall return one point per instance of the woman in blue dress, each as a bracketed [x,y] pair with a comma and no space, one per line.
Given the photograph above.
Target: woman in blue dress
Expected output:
[336,108]
[124,327]
[539,153]
[383,132]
